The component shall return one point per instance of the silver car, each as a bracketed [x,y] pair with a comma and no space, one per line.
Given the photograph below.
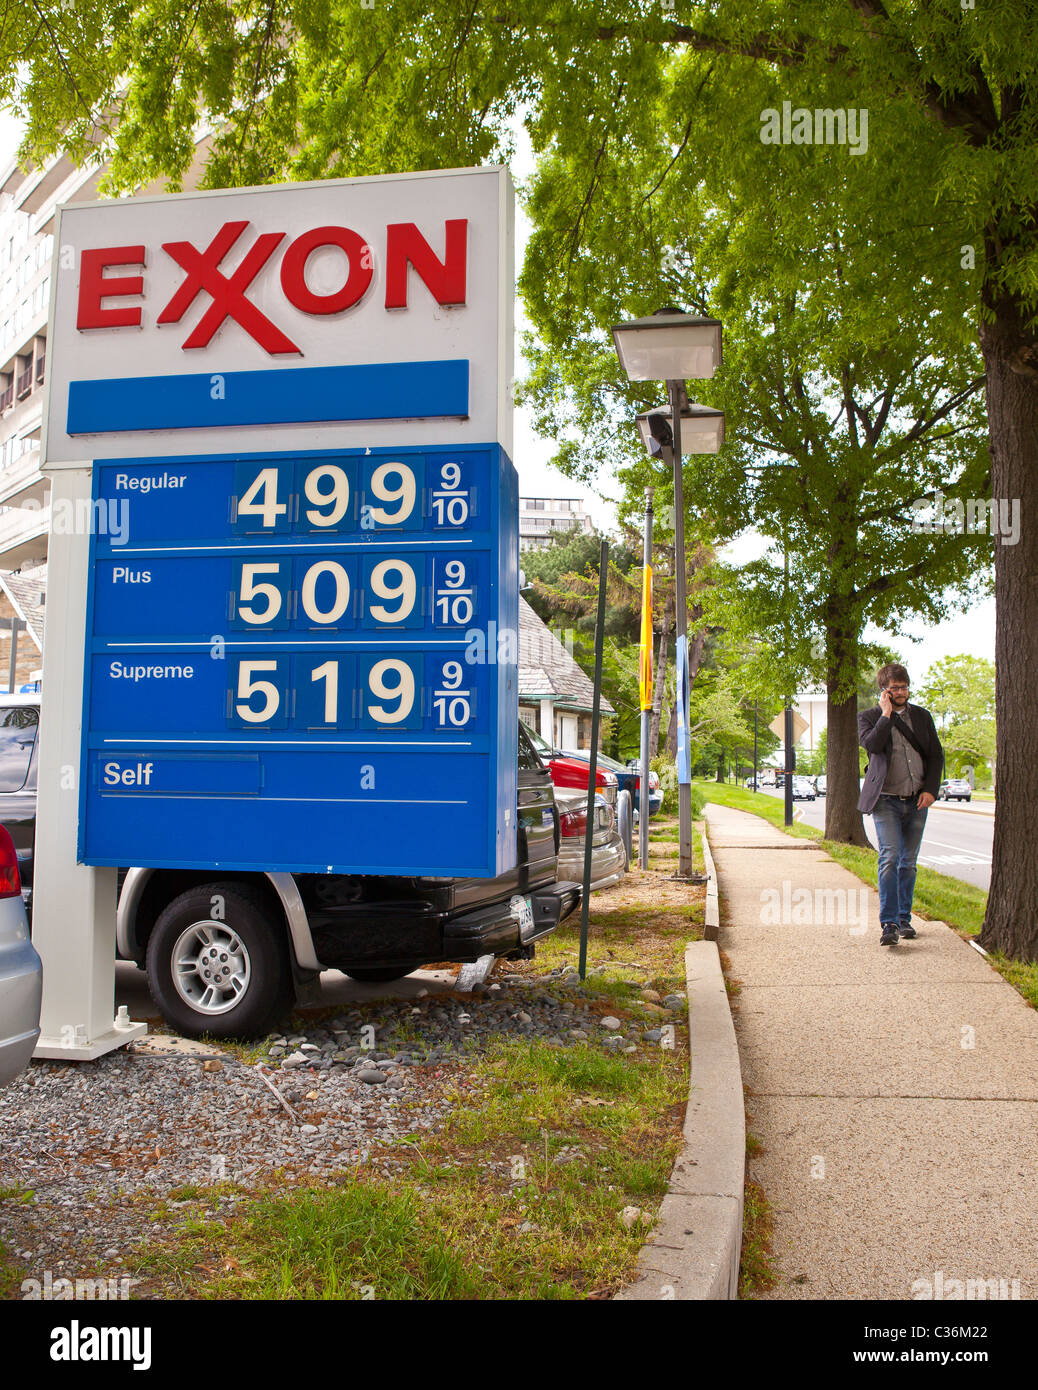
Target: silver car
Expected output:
[608,856]
[21,971]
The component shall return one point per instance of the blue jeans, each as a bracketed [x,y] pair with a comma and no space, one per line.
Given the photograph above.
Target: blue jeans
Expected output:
[899,830]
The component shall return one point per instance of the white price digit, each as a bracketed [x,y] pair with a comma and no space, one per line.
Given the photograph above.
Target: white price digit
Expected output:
[329,673]
[450,476]
[249,590]
[456,711]
[455,608]
[452,674]
[451,508]
[401,690]
[404,494]
[452,603]
[308,593]
[247,687]
[406,591]
[337,497]
[264,487]
[451,704]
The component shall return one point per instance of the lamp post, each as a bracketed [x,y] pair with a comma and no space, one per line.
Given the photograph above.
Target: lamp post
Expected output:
[672,347]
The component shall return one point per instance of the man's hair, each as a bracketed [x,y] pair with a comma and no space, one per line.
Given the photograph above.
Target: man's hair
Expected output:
[892,671]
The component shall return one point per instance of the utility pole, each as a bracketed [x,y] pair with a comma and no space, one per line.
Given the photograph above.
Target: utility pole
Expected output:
[643,793]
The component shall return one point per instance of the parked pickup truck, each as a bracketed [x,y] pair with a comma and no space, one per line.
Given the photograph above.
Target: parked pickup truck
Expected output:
[226,953]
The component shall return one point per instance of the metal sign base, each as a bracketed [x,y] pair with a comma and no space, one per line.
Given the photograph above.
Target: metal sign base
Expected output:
[73,906]
[56,1050]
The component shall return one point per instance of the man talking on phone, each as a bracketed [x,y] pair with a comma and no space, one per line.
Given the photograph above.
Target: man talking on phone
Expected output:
[906,762]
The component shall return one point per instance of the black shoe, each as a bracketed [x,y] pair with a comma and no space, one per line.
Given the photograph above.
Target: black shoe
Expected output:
[890,934]
[907,932]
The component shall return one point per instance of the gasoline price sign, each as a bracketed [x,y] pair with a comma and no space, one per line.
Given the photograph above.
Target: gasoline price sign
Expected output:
[294,662]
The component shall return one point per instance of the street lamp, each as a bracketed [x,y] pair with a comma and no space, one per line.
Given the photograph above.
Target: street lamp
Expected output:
[668,346]
[702,429]
[671,346]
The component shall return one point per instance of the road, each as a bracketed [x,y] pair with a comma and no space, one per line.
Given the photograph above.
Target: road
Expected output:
[957,839]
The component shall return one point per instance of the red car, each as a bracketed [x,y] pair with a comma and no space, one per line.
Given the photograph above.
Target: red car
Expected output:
[573,772]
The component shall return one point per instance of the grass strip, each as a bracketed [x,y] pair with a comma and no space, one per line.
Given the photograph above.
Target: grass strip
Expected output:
[519,1196]
[521,1192]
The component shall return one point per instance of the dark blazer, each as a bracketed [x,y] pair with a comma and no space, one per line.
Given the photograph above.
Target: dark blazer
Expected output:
[874,735]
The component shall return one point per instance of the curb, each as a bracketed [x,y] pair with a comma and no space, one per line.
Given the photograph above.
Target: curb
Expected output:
[712,918]
[695,1250]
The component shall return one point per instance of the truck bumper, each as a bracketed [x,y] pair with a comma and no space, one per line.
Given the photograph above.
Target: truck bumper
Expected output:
[496,929]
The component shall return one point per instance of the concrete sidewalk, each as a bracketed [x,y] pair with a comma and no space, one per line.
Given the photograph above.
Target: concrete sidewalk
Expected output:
[895,1090]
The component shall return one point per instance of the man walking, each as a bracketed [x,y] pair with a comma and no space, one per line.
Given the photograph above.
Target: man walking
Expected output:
[906,761]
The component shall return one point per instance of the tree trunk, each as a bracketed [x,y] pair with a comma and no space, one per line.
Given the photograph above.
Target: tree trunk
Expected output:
[672,732]
[720,767]
[1011,362]
[843,820]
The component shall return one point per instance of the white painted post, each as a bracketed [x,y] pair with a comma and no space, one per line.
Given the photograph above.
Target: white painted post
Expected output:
[73,925]
[548,722]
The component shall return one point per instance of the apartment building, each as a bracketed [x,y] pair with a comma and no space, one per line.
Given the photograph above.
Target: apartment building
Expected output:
[28,202]
[540,518]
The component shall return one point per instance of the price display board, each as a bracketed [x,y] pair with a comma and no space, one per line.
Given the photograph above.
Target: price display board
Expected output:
[301,661]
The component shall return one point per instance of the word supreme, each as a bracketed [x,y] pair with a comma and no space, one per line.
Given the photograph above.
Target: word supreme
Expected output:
[225,292]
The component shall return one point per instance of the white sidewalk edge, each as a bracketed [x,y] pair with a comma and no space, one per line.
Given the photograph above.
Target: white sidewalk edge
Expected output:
[695,1250]
[712,920]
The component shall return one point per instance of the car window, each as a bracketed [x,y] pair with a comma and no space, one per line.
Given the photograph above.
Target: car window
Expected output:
[18,725]
[528,759]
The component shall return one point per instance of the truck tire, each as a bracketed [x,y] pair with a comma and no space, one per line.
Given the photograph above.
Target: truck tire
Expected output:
[225,976]
[375,976]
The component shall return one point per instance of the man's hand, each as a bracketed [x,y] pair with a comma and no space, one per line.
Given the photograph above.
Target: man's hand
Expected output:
[886,704]
[925,799]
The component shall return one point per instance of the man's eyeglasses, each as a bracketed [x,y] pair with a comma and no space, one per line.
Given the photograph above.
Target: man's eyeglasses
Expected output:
[897,687]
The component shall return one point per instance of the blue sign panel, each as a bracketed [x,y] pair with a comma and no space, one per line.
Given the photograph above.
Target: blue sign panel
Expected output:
[302,662]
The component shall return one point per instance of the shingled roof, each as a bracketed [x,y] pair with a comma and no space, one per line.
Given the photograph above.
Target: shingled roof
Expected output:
[546,669]
[28,594]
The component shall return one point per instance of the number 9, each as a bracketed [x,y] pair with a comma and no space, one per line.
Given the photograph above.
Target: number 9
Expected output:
[451,675]
[454,574]
[450,475]
[402,690]
[337,498]
[404,494]
[406,591]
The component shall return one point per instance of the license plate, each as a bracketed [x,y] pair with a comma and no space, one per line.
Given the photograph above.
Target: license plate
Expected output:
[522,911]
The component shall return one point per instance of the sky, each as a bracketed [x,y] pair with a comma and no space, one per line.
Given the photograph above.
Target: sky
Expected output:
[972,632]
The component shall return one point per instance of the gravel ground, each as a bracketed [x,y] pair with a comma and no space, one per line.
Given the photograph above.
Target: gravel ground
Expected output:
[89,1138]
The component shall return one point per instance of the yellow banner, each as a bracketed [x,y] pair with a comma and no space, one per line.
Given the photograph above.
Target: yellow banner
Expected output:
[645,665]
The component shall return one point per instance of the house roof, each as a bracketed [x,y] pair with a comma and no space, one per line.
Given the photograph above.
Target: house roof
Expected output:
[28,594]
[546,669]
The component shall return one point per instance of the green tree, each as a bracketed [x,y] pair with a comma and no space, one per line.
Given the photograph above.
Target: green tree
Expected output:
[959,688]
[311,88]
[960,693]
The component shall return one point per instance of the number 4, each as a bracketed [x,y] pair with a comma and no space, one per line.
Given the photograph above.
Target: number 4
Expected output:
[264,487]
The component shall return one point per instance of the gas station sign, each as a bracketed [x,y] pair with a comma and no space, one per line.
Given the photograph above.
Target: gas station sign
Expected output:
[297,404]
[279,666]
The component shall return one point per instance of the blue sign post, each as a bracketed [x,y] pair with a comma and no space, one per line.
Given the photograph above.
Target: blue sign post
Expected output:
[288,665]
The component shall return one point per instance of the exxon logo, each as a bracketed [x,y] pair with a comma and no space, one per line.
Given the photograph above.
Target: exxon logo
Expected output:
[224,291]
